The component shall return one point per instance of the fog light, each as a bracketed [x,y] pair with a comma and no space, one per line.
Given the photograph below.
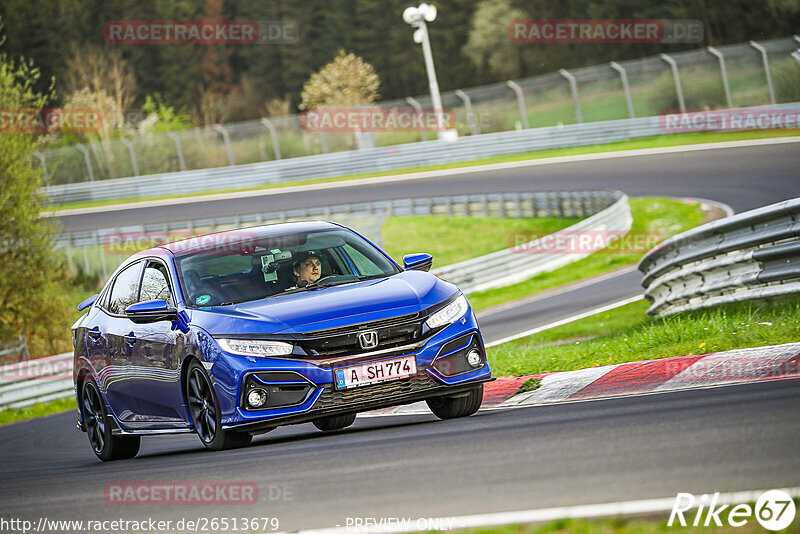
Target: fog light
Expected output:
[257,397]
[474,358]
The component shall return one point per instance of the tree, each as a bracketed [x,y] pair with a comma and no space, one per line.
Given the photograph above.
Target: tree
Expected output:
[489,46]
[91,69]
[30,272]
[348,80]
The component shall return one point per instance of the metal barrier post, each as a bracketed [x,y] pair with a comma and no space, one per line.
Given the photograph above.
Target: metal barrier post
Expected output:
[765,61]
[523,112]
[471,122]
[85,152]
[573,88]
[625,87]
[44,165]
[414,103]
[227,138]
[178,149]
[716,53]
[274,135]
[324,142]
[677,77]
[135,164]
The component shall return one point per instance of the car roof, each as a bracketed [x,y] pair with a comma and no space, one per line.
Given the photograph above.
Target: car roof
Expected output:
[193,244]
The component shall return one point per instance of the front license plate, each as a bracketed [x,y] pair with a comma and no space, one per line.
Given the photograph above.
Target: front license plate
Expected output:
[372,372]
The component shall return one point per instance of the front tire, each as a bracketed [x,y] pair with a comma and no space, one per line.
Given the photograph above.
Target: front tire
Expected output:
[205,413]
[335,422]
[461,406]
[106,446]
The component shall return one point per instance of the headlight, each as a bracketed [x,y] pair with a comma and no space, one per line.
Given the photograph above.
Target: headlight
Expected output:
[449,314]
[255,347]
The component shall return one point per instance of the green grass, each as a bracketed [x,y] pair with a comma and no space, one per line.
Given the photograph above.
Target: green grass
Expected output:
[649,524]
[627,334]
[454,239]
[37,410]
[659,141]
[662,217]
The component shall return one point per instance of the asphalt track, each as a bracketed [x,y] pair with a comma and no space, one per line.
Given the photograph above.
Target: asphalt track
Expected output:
[722,439]
[650,446]
[743,178]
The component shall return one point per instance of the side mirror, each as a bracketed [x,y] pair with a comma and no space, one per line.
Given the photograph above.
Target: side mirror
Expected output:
[151,311]
[88,302]
[419,261]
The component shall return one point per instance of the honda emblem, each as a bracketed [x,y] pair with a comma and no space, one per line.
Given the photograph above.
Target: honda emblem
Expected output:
[368,340]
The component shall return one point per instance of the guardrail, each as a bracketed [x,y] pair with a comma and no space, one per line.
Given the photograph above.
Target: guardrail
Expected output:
[40,380]
[705,78]
[368,160]
[14,351]
[752,255]
[98,253]
[511,266]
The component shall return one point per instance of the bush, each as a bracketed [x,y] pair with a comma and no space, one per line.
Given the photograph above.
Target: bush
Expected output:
[786,77]
[30,273]
[698,93]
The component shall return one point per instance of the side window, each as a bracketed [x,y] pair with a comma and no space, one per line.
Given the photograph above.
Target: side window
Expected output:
[126,289]
[155,284]
[365,266]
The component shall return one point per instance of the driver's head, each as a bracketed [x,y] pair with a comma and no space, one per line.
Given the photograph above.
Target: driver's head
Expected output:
[307,267]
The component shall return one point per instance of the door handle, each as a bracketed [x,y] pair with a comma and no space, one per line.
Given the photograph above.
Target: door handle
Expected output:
[130,339]
[94,332]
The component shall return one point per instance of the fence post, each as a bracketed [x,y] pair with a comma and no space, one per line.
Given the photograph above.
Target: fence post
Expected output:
[135,164]
[765,61]
[274,135]
[625,87]
[44,165]
[227,138]
[87,159]
[523,112]
[677,77]
[717,54]
[324,142]
[414,103]
[471,122]
[573,88]
[178,149]
[796,54]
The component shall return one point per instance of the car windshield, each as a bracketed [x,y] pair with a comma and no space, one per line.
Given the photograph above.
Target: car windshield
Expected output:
[252,267]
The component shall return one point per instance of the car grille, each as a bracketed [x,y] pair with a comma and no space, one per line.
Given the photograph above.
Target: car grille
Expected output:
[343,341]
[337,399]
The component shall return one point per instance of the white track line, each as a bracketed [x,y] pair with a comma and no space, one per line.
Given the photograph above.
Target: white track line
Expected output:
[564,321]
[426,175]
[645,506]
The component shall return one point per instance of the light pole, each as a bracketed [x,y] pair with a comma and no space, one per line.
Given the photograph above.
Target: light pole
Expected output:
[419,17]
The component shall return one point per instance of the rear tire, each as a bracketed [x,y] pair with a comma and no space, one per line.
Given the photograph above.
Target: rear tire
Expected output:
[205,413]
[106,446]
[335,422]
[452,407]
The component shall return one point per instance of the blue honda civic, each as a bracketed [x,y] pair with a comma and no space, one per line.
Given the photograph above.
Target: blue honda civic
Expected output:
[233,334]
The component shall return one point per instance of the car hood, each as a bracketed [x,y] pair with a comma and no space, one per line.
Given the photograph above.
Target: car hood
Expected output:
[328,307]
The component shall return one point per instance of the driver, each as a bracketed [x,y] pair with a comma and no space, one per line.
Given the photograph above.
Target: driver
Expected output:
[307,268]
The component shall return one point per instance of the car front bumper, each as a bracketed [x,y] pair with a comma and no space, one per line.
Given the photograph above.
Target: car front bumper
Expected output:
[323,398]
